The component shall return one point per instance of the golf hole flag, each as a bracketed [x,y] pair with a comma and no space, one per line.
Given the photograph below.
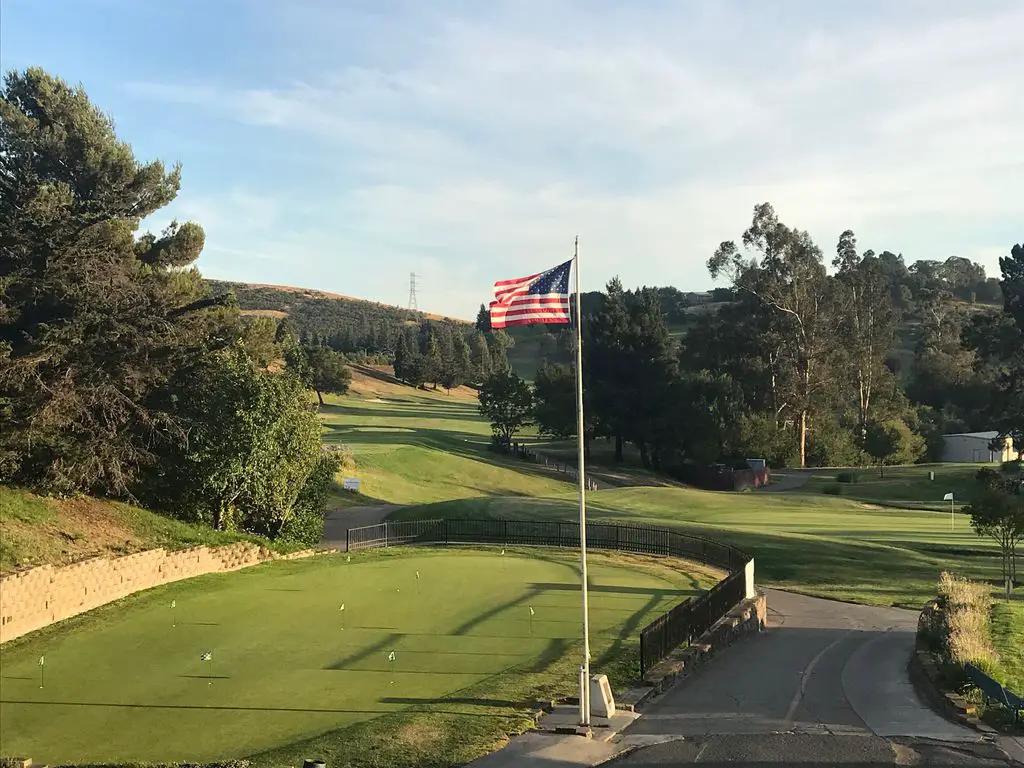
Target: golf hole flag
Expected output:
[206,656]
[948,497]
[540,298]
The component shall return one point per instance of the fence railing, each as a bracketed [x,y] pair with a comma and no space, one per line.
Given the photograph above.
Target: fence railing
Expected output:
[993,691]
[681,624]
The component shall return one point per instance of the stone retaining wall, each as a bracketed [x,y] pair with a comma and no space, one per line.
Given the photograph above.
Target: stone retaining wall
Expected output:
[36,597]
[745,619]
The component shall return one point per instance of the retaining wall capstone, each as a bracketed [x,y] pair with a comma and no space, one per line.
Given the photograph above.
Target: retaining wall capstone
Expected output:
[36,597]
[745,619]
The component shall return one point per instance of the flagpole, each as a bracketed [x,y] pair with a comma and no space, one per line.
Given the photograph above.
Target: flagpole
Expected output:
[581,478]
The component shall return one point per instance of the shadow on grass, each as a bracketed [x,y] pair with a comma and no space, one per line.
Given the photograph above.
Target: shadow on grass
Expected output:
[629,629]
[206,677]
[409,701]
[226,708]
[464,628]
[388,641]
[659,594]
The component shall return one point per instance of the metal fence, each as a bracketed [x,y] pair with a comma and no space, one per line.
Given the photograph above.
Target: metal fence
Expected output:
[680,625]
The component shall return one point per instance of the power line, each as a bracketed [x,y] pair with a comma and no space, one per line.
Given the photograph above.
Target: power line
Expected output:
[412,292]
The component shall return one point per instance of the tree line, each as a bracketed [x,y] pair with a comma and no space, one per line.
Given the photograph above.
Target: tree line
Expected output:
[802,367]
[121,373]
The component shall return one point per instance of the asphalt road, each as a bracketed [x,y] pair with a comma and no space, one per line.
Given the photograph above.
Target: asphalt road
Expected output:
[825,685]
[338,521]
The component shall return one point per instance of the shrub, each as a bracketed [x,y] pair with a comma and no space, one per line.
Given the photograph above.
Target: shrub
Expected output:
[847,477]
[965,608]
[305,524]
[833,489]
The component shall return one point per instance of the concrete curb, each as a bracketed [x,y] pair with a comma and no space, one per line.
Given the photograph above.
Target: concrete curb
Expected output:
[925,677]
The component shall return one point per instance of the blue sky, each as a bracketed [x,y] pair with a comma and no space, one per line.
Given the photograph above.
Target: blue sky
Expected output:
[342,144]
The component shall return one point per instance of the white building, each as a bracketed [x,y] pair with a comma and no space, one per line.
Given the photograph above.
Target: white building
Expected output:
[974,447]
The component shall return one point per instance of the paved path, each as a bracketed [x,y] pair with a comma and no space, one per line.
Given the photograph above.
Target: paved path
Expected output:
[826,684]
[338,521]
[786,480]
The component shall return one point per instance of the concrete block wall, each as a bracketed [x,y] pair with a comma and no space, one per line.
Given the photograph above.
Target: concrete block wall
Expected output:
[36,597]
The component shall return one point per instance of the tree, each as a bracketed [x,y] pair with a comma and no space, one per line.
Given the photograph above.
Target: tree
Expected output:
[507,402]
[555,401]
[481,358]
[867,322]
[892,442]
[260,334]
[94,323]
[327,372]
[463,359]
[650,368]
[1012,267]
[500,343]
[483,320]
[791,284]
[998,514]
[605,364]
[433,364]
[254,441]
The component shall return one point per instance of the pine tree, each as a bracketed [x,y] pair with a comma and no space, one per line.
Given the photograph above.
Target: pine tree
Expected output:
[433,364]
[483,320]
[462,367]
[481,358]
[403,355]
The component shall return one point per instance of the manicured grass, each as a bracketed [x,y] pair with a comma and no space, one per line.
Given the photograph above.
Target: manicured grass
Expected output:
[906,486]
[125,682]
[1008,640]
[821,545]
[421,448]
[36,530]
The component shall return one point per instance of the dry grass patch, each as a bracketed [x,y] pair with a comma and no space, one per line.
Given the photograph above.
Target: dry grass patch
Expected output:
[966,610]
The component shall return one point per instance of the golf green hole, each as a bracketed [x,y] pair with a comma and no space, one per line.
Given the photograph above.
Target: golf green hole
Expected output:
[128,682]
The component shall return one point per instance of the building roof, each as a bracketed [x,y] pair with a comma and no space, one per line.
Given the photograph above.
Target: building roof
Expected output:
[979,435]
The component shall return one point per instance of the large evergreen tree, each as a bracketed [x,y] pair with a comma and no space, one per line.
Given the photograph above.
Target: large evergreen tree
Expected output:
[93,321]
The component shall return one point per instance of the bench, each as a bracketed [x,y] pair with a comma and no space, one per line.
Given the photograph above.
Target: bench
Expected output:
[993,691]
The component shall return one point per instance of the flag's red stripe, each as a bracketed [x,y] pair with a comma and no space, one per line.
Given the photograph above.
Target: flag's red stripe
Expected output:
[501,283]
[528,321]
[524,306]
[532,311]
[534,299]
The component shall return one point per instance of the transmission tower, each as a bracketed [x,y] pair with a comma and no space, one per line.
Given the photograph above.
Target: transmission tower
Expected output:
[412,292]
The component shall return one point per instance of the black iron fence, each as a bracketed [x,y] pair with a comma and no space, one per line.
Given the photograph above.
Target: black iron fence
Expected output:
[680,625]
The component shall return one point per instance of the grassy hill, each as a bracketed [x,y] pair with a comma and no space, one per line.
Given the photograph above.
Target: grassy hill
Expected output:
[414,446]
[35,530]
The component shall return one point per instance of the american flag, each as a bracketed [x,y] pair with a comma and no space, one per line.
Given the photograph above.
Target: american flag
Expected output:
[540,298]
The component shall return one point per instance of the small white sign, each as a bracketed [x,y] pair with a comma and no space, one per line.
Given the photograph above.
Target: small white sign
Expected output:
[350,483]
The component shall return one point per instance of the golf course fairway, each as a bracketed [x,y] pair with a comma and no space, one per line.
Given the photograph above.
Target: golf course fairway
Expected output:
[128,682]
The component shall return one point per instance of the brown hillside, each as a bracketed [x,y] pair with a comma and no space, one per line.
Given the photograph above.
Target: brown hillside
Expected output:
[311,293]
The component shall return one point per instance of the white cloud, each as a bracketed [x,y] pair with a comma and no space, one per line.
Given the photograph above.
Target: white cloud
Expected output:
[499,135]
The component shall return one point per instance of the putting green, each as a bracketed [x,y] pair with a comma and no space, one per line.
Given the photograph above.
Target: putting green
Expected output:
[122,683]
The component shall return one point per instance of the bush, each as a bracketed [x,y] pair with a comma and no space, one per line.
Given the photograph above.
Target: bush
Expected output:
[846,477]
[1015,467]
[305,525]
[965,609]
[833,489]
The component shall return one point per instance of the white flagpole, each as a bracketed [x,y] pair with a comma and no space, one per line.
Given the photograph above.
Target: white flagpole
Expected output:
[581,478]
